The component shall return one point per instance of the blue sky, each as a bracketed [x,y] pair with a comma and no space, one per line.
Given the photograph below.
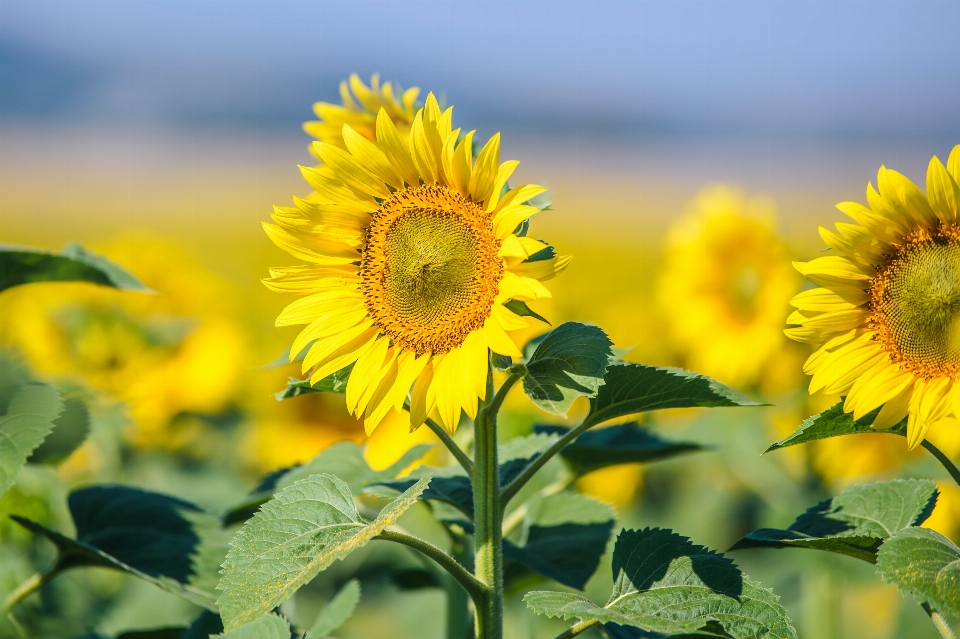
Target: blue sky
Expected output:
[776,69]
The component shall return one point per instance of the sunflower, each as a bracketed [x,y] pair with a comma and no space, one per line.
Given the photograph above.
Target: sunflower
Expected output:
[725,283]
[414,250]
[361,103]
[886,314]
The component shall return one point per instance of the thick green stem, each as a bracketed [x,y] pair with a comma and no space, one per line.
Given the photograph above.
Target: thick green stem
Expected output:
[577,628]
[943,459]
[474,588]
[937,618]
[487,513]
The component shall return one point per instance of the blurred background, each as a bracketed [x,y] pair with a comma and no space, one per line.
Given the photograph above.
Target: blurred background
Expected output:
[692,150]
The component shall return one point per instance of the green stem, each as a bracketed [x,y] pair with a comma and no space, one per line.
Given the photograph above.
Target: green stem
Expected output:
[577,628]
[27,588]
[943,459]
[474,588]
[514,487]
[937,618]
[447,441]
[487,513]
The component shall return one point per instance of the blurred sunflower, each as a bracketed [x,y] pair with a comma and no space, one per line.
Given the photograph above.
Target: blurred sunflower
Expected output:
[167,356]
[725,283]
[886,315]
[413,255]
[361,104]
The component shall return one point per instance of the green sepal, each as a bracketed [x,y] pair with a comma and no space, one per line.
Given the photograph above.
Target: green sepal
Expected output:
[332,383]
[856,522]
[520,308]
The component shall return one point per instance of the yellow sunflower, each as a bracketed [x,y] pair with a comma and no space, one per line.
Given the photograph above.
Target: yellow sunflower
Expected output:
[725,284]
[886,315]
[413,251]
[361,103]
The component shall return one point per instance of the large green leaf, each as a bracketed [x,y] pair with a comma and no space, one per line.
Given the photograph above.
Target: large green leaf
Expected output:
[332,383]
[23,265]
[856,521]
[336,612]
[569,362]
[563,538]
[301,531]
[30,416]
[665,584]
[344,460]
[271,626]
[634,388]
[924,564]
[620,444]
[166,541]
[833,422]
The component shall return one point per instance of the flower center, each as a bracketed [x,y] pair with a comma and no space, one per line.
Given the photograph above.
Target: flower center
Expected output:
[915,299]
[430,270]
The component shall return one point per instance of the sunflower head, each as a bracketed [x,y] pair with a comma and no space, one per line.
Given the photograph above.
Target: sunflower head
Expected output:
[359,107]
[413,249]
[886,315]
[725,281]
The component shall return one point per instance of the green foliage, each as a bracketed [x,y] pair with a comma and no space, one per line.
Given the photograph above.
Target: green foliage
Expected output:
[620,444]
[924,564]
[633,388]
[332,383]
[856,521]
[345,460]
[665,584]
[563,537]
[166,541]
[833,422]
[271,626]
[567,363]
[30,417]
[336,612]
[70,430]
[302,530]
[23,265]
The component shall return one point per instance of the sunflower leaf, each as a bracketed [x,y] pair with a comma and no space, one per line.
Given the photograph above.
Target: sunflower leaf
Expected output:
[344,460]
[620,444]
[271,626]
[924,564]
[634,388]
[569,362]
[332,383]
[302,530]
[856,522]
[163,540]
[520,308]
[833,422]
[336,612]
[665,584]
[563,538]
[30,417]
[23,265]
[70,430]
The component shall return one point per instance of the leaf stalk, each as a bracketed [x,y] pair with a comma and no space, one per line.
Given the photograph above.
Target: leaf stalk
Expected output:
[514,487]
[27,588]
[938,620]
[474,588]
[943,459]
[577,628]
